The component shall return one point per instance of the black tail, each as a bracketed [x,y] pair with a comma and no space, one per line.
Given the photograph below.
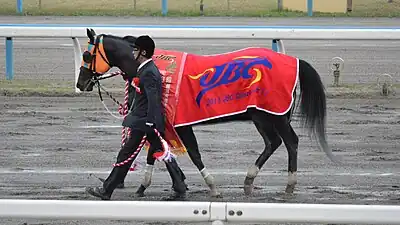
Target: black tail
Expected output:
[313,105]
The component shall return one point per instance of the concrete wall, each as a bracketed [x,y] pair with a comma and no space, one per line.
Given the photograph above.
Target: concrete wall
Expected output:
[330,6]
[340,6]
[298,5]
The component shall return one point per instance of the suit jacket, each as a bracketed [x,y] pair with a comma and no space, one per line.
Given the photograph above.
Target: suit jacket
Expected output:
[147,106]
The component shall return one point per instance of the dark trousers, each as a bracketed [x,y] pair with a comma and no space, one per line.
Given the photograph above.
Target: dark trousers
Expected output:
[119,173]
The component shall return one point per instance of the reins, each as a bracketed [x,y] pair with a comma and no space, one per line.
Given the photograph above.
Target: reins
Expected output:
[122,108]
[96,81]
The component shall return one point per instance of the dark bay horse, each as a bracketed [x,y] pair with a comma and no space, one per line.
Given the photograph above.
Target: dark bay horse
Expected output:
[107,51]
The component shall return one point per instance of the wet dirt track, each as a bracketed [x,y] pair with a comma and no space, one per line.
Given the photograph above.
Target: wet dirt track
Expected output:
[51,145]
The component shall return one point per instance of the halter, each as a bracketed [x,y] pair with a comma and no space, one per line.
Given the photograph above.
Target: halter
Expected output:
[89,56]
[90,62]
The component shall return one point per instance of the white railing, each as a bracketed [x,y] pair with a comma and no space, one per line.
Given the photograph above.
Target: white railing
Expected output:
[216,212]
[196,211]
[207,32]
[275,33]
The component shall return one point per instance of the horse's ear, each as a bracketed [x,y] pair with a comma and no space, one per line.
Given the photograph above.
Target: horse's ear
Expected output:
[94,33]
[90,35]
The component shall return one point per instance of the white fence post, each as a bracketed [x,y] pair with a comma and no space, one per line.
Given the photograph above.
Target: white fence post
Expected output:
[77,60]
[312,213]
[200,32]
[216,212]
[200,211]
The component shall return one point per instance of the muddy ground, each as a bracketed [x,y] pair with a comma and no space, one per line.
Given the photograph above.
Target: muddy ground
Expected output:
[51,145]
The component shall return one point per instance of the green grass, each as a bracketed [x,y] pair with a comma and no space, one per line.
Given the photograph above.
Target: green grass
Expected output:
[257,8]
[51,88]
[360,91]
[36,88]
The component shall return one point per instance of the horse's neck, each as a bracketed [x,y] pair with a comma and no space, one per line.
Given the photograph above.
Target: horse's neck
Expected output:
[126,67]
[125,64]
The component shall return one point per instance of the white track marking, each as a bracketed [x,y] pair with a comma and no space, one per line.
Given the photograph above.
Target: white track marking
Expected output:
[193,172]
[386,174]
[40,111]
[57,111]
[101,126]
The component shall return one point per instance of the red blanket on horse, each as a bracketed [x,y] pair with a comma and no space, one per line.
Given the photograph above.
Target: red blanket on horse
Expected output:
[199,88]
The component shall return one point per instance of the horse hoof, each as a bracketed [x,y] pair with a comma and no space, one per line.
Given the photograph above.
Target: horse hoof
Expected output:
[248,185]
[140,191]
[216,195]
[248,189]
[139,195]
[290,188]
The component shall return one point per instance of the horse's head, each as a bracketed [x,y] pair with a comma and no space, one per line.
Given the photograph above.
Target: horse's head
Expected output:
[102,53]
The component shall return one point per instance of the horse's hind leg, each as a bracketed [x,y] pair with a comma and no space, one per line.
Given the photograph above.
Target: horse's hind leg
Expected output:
[291,141]
[189,140]
[271,140]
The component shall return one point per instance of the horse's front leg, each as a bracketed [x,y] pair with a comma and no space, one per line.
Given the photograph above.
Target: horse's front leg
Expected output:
[189,140]
[148,174]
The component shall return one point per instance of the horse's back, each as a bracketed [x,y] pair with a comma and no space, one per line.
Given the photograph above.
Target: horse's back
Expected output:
[254,51]
[229,83]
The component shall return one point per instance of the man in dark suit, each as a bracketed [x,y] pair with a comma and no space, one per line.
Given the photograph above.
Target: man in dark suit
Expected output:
[146,115]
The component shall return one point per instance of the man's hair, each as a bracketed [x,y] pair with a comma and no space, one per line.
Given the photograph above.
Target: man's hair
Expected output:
[145,42]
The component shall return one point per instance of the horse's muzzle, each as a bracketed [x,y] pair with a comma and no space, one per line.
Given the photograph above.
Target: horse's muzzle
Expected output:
[85,80]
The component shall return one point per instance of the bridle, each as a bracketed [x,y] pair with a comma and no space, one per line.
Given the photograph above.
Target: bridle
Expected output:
[90,58]
[89,63]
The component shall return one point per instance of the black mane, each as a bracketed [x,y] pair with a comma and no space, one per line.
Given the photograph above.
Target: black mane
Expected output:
[121,53]
[128,38]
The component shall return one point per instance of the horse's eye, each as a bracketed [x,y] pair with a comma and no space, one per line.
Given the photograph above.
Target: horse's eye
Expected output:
[87,57]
